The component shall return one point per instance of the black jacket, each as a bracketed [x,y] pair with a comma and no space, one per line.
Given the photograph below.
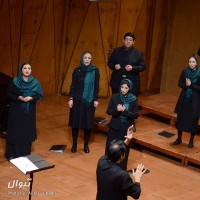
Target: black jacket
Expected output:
[131,57]
[195,95]
[114,183]
[131,113]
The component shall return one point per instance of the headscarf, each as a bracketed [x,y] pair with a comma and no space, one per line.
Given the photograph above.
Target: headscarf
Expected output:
[88,91]
[31,87]
[192,74]
[128,98]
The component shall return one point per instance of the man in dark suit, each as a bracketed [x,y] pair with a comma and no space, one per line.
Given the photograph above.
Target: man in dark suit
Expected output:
[114,183]
[126,62]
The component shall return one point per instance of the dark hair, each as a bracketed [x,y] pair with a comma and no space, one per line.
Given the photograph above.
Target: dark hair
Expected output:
[116,149]
[195,57]
[86,52]
[129,34]
[22,65]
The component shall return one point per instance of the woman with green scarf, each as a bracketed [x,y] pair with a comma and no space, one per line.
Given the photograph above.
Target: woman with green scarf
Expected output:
[23,92]
[123,107]
[188,104]
[83,99]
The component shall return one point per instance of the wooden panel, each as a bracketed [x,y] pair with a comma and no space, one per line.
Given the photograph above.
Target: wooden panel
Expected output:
[74,25]
[41,55]
[84,42]
[59,13]
[161,105]
[192,158]
[35,10]
[5,43]
[157,46]
[108,23]
[52,35]
[15,27]
[183,23]
[129,14]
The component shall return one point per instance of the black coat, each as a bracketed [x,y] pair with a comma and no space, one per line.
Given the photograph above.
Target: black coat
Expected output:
[82,115]
[114,183]
[195,101]
[188,111]
[131,57]
[21,127]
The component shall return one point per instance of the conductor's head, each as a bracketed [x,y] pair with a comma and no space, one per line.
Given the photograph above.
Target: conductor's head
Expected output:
[116,151]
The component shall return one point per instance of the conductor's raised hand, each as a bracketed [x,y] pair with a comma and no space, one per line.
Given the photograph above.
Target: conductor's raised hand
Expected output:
[137,174]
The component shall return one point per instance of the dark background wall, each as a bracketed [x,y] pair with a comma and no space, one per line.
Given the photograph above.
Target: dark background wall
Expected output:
[52,34]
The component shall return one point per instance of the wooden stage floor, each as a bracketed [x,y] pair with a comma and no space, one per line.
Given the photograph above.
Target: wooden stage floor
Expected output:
[74,175]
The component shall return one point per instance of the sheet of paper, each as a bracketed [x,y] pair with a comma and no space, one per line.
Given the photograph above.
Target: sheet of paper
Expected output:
[24,164]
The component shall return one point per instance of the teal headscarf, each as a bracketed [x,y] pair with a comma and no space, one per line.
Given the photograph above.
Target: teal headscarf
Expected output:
[31,87]
[192,74]
[128,98]
[89,81]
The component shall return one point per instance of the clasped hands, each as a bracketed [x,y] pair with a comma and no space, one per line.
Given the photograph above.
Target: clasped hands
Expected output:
[188,82]
[127,67]
[25,99]
[120,107]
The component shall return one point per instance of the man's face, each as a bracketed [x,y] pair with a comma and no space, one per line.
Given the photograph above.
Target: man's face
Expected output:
[128,41]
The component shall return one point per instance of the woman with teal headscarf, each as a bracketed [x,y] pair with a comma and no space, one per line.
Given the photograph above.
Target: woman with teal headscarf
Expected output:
[188,104]
[83,99]
[23,92]
[123,107]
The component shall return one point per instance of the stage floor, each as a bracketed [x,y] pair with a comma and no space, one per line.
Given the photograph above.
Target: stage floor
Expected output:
[74,175]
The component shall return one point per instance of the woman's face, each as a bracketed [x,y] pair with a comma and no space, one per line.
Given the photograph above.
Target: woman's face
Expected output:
[124,89]
[87,58]
[26,70]
[192,63]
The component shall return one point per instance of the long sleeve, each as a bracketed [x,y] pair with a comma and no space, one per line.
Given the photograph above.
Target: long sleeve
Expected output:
[112,108]
[112,60]
[13,93]
[182,80]
[73,84]
[140,67]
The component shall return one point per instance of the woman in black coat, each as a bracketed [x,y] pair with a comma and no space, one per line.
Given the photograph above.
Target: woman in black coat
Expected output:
[23,92]
[188,104]
[83,99]
[123,107]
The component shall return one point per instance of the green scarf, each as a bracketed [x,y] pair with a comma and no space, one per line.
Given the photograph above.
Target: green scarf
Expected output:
[31,87]
[89,81]
[192,74]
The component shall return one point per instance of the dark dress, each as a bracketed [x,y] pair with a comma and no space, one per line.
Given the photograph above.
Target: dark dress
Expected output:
[188,112]
[21,129]
[82,114]
[124,57]
[117,129]
[114,183]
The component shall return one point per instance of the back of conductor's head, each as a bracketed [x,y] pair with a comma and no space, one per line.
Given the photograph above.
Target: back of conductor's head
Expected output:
[116,150]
